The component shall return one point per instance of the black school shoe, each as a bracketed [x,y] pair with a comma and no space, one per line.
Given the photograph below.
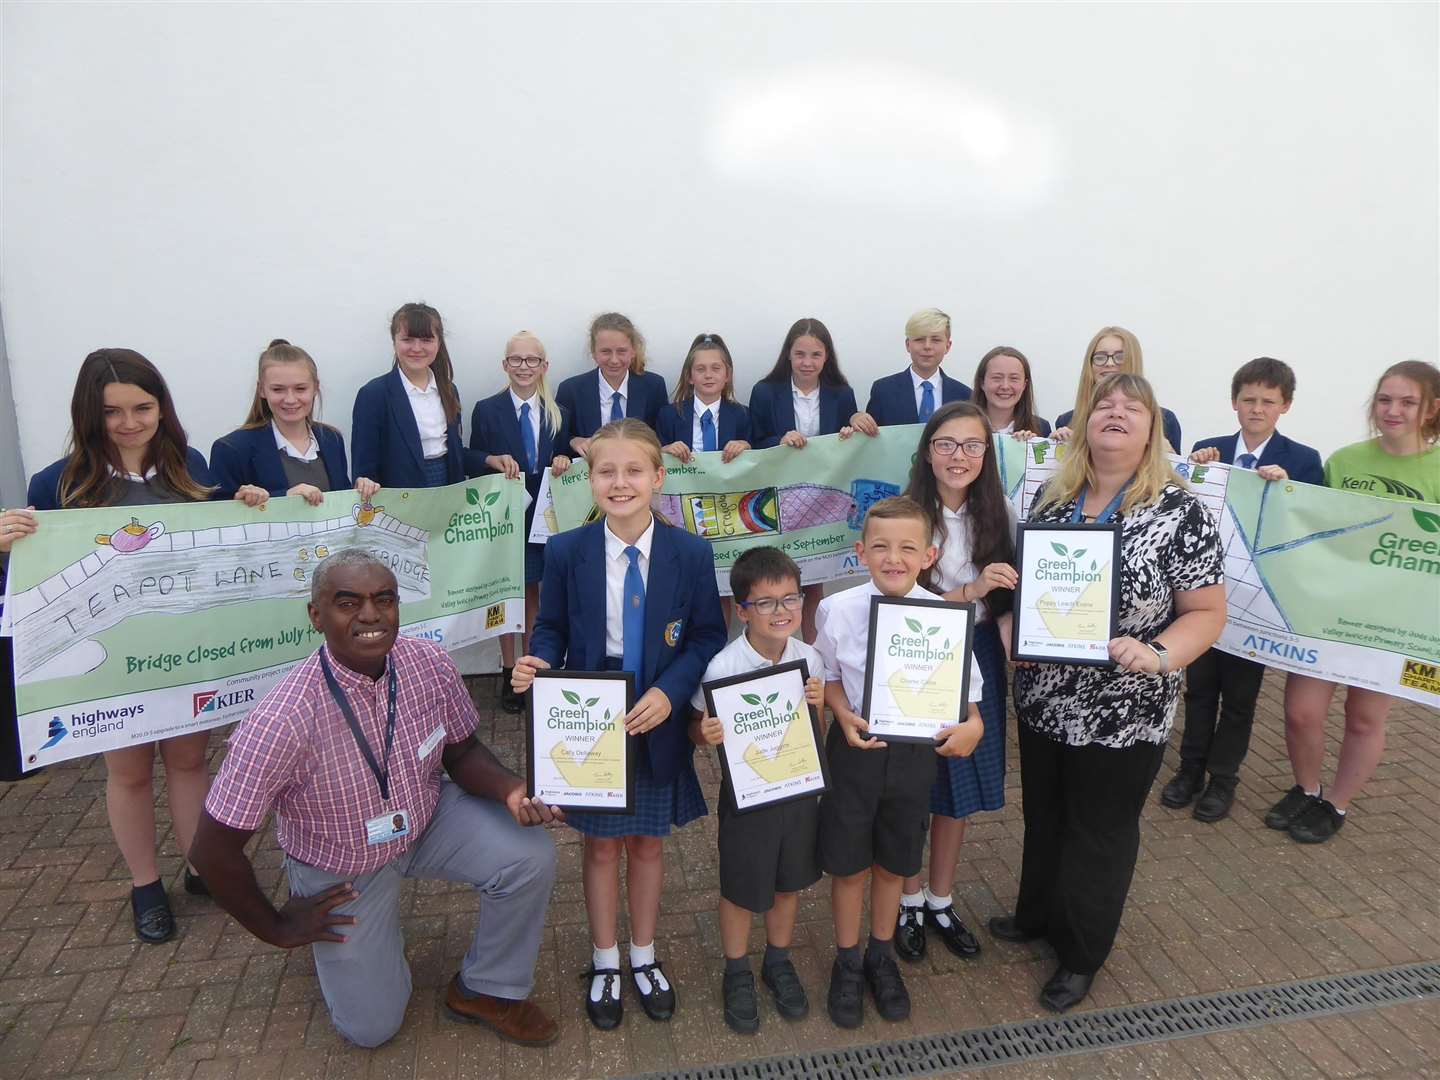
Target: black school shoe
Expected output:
[1180,792]
[742,1007]
[1005,928]
[1065,990]
[786,989]
[892,1000]
[658,1004]
[195,884]
[606,1013]
[954,933]
[154,921]
[910,933]
[1284,812]
[1215,804]
[1317,823]
[846,1001]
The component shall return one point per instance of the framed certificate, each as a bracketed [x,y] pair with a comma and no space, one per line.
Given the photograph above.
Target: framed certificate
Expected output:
[1068,598]
[577,754]
[772,749]
[917,677]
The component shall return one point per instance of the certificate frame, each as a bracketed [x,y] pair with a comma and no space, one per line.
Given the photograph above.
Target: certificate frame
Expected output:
[921,617]
[1064,539]
[768,681]
[581,692]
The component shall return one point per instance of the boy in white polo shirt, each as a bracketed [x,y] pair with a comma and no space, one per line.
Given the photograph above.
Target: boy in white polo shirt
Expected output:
[767,855]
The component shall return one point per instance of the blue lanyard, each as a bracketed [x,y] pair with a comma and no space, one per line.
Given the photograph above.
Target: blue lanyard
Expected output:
[381,773]
[1105,515]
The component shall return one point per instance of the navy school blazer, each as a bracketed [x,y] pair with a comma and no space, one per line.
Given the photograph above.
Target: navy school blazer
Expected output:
[677,423]
[772,411]
[581,395]
[495,429]
[892,399]
[250,456]
[44,491]
[680,589]
[385,440]
[1167,420]
[1301,462]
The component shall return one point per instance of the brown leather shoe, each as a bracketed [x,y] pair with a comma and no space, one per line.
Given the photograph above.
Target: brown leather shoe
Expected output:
[521,1022]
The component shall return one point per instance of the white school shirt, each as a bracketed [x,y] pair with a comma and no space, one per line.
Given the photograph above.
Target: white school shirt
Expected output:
[1258,451]
[616,563]
[429,416]
[697,435]
[534,403]
[934,383]
[740,656]
[283,444]
[842,637]
[955,566]
[606,393]
[807,411]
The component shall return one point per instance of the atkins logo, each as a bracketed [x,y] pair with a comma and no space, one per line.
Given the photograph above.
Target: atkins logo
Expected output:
[213,701]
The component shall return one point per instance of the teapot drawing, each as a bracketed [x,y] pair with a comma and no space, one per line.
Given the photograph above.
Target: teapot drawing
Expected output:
[131,537]
[364,513]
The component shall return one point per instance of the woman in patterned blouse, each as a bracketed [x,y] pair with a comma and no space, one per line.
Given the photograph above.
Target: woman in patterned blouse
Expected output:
[1091,738]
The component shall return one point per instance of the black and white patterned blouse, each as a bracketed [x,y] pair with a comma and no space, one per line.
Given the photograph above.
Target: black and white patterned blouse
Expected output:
[1170,546]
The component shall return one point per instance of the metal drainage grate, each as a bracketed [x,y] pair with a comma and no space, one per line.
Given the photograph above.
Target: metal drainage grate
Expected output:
[1006,1044]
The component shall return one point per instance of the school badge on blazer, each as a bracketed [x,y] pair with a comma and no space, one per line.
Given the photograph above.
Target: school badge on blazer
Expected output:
[672,633]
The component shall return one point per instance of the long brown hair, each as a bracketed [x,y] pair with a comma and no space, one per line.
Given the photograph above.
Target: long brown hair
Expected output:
[421,320]
[613,320]
[990,539]
[281,351]
[93,475]
[1427,377]
[830,374]
[1024,418]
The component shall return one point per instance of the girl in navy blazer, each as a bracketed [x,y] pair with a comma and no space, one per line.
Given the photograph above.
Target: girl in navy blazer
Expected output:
[706,384]
[281,449]
[406,428]
[618,388]
[676,630]
[805,394]
[521,431]
[1005,390]
[128,448]
[1112,349]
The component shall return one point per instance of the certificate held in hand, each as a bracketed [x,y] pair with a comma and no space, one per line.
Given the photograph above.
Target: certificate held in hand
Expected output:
[1068,598]
[578,754]
[917,677]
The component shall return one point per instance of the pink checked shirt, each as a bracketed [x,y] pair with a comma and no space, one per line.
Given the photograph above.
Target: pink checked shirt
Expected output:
[294,754]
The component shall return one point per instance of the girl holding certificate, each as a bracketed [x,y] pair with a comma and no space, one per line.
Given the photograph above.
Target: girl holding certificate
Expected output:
[957,481]
[1092,737]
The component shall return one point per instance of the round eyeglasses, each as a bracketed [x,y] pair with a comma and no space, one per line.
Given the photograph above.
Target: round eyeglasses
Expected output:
[768,605]
[943,447]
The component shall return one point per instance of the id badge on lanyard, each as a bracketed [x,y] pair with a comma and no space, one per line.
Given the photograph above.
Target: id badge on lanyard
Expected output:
[394,823]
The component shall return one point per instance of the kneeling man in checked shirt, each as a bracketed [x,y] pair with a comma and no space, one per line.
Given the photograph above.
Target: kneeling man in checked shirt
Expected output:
[366,753]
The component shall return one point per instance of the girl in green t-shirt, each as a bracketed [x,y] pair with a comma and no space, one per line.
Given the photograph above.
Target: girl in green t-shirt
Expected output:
[1401,462]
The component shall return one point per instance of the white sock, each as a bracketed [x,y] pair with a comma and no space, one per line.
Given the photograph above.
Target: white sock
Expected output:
[1339,811]
[936,903]
[915,899]
[1316,793]
[604,958]
[640,955]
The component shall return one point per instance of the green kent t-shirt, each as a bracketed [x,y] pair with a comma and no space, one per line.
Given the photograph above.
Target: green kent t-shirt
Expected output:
[1366,468]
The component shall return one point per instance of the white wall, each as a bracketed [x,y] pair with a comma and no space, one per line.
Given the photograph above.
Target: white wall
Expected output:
[1227,180]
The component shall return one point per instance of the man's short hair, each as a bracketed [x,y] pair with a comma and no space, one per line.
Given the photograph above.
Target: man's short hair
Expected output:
[761,564]
[1266,371]
[897,506]
[354,556]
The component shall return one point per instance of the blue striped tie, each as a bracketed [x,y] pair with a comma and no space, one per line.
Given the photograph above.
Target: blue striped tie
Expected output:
[632,621]
[707,431]
[1246,461]
[616,412]
[927,400]
[527,436]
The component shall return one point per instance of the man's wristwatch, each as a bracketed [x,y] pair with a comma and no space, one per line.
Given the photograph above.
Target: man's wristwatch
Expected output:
[1161,655]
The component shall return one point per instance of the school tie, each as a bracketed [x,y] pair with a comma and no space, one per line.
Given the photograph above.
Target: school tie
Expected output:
[1246,461]
[527,436]
[707,431]
[927,400]
[632,622]
[616,412]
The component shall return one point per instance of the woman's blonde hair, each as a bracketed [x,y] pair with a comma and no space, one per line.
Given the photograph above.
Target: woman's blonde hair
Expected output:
[280,351]
[548,404]
[1076,471]
[1134,365]
[631,430]
[613,320]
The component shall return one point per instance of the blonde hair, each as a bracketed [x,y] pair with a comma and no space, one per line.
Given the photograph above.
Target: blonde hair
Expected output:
[1134,365]
[927,321]
[613,320]
[627,430]
[704,343]
[548,405]
[898,508]
[280,351]
[1076,471]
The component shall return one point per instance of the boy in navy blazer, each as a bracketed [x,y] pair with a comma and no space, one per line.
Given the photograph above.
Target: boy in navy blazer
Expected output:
[1221,689]
[910,396]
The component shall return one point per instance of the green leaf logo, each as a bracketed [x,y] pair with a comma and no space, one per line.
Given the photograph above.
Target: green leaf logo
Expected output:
[913,625]
[571,696]
[507,513]
[1059,549]
[492,498]
[1093,564]
[770,700]
[472,496]
[590,703]
[1426,520]
[1077,553]
[751,699]
[932,631]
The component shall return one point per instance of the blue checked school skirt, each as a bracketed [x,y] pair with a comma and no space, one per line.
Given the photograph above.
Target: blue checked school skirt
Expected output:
[658,806]
[966,785]
[435,471]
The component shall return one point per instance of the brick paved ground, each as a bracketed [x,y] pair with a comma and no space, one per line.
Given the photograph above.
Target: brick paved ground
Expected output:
[1213,907]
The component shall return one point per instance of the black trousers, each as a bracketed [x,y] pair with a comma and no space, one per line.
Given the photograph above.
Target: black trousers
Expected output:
[1220,693]
[1082,834]
[9,725]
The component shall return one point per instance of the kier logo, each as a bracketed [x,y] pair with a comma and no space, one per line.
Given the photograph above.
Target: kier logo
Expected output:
[213,701]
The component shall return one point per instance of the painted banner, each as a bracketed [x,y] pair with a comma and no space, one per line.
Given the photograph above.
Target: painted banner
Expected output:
[807,502]
[1329,583]
[132,624]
